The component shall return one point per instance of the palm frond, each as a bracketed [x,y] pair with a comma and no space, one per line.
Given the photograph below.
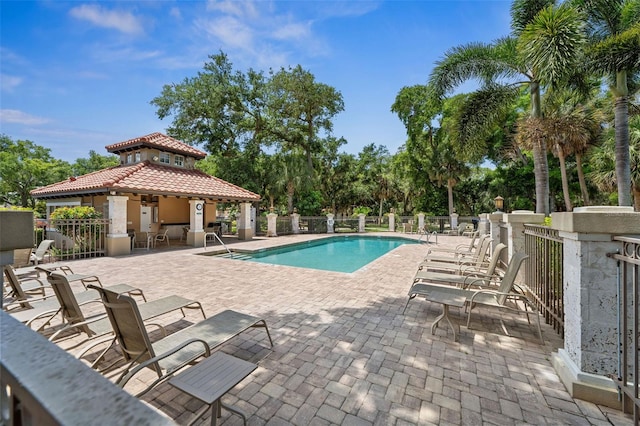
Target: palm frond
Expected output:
[523,12]
[474,60]
[619,52]
[479,114]
[552,43]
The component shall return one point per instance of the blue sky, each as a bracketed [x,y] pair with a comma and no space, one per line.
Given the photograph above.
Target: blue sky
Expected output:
[78,75]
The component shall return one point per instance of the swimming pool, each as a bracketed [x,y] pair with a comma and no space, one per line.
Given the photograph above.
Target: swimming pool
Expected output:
[339,254]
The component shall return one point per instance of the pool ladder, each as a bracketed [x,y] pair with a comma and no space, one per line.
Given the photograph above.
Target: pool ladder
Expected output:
[434,233]
[217,238]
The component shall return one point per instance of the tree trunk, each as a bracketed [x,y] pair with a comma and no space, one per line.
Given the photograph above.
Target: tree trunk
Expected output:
[290,191]
[540,163]
[450,194]
[565,181]
[623,167]
[583,182]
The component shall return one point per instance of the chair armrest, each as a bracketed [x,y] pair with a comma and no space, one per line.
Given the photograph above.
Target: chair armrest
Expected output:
[129,373]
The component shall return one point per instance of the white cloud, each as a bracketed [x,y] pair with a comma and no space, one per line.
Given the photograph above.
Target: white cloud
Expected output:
[175,12]
[293,31]
[119,20]
[237,8]
[230,31]
[9,82]
[19,117]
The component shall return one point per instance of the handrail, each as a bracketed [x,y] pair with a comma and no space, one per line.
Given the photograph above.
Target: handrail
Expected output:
[422,233]
[215,234]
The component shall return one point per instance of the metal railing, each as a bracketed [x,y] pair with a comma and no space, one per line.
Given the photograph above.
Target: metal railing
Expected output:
[78,238]
[628,376]
[313,224]
[544,272]
[346,224]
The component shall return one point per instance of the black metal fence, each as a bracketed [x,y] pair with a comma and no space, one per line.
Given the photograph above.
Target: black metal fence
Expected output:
[544,273]
[628,376]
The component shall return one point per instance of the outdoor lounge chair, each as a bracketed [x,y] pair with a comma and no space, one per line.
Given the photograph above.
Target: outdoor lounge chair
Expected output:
[504,293]
[508,296]
[478,259]
[42,311]
[42,252]
[459,250]
[84,279]
[21,258]
[466,276]
[462,226]
[175,351]
[97,324]
[22,290]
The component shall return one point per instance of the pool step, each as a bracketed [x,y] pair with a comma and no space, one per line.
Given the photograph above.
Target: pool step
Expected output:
[237,256]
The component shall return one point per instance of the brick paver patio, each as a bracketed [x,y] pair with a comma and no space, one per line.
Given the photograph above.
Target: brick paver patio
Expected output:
[344,353]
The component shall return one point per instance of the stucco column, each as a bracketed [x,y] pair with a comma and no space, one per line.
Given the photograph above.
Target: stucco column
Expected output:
[245,228]
[484,225]
[118,241]
[495,221]
[272,219]
[515,222]
[295,223]
[421,223]
[195,236]
[392,222]
[330,223]
[361,222]
[590,350]
[454,220]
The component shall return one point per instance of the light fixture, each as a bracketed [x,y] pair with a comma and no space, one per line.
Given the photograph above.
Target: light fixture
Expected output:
[155,158]
[499,202]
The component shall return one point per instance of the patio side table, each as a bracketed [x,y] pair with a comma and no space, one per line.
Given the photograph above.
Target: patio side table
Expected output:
[210,379]
[446,299]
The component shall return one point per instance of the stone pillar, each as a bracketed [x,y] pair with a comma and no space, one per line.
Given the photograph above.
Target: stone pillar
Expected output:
[195,236]
[590,350]
[330,223]
[245,228]
[118,240]
[392,222]
[515,222]
[484,225]
[454,221]
[295,223]
[495,220]
[361,222]
[272,219]
[421,227]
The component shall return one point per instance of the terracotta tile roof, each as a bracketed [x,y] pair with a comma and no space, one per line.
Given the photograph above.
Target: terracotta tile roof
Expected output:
[159,141]
[149,179]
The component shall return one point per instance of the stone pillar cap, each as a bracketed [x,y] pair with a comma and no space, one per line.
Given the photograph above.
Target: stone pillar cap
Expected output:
[604,209]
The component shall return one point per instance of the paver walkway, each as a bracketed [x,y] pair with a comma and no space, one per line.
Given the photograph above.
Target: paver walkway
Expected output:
[344,353]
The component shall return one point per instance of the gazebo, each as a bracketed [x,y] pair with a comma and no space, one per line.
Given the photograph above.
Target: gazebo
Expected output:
[156,185]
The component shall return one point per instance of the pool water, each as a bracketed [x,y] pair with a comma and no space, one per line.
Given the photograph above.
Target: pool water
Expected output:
[338,254]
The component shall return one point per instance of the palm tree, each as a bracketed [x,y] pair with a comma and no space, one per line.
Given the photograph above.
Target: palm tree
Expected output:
[568,127]
[504,67]
[614,29]
[603,161]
